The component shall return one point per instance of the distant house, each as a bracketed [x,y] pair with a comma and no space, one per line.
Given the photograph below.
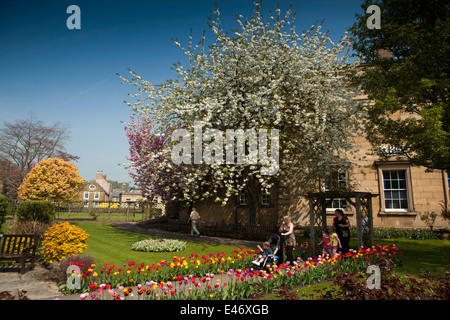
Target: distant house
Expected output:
[134,197]
[116,195]
[97,191]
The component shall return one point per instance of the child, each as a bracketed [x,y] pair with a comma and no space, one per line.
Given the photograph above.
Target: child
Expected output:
[326,242]
[265,252]
[334,241]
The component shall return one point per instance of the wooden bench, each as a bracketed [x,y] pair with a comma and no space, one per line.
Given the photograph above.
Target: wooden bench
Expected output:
[20,248]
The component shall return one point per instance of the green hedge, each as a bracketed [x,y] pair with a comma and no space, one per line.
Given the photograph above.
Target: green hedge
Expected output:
[3,209]
[393,233]
[42,211]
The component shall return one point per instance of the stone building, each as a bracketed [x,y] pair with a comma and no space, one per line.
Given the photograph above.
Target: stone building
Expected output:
[404,191]
[97,191]
[130,196]
[133,197]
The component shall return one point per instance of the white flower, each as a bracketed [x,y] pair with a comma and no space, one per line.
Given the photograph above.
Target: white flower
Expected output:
[264,75]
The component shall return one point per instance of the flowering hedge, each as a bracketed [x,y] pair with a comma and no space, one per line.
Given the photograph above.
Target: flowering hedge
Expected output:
[219,276]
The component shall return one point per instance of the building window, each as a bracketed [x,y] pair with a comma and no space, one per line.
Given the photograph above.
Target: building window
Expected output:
[337,203]
[339,183]
[265,197]
[97,195]
[86,195]
[448,182]
[242,199]
[395,190]
[446,179]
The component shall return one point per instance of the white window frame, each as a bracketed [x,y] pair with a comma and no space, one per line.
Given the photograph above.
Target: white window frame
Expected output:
[448,183]
[86,195]
[97,195]
[341,179]
[265,197]
[446,177]
[242,199]
[409,194]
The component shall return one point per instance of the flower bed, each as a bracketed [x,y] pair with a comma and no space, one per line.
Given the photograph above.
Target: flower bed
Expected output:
[159,245]
[219,276]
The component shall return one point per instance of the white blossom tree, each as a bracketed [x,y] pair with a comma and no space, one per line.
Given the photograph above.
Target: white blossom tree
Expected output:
[264,75]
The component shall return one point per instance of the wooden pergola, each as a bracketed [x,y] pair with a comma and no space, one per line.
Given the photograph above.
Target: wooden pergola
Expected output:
[361,201]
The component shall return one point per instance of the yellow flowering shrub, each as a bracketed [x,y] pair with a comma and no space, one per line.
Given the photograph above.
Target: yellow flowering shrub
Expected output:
[61,240]
[53,180]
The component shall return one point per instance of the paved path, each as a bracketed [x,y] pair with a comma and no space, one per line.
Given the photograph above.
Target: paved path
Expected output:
[34,282]
[38,287]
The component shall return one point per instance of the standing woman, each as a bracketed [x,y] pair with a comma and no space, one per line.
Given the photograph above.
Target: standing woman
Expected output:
[288,238]
[342,225]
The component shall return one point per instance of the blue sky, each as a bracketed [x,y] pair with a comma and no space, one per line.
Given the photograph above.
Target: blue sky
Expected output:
[69,76]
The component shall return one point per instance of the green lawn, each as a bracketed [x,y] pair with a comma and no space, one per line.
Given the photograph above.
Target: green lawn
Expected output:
[432,255]
[108,244]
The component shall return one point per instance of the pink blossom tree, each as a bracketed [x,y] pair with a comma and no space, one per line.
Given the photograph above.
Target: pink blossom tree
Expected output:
[146,160]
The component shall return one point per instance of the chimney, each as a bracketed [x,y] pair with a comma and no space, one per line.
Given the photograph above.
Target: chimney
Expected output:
[381,53]
[100,175]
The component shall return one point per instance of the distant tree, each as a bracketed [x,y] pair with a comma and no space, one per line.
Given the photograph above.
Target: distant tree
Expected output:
[410,89]
[24,143]
[52,179]
[153,173]
[119,185]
